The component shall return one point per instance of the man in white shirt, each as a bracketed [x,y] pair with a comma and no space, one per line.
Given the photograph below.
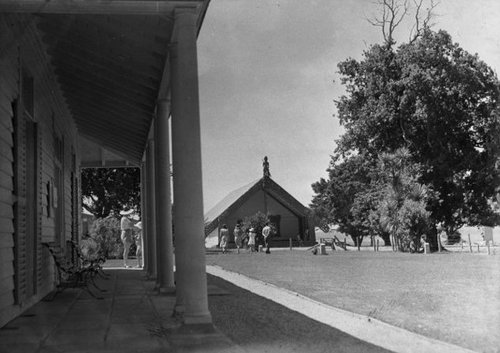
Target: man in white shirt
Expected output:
[267,233]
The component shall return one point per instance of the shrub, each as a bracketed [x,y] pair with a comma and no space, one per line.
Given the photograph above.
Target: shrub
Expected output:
[106,232]
[257,221]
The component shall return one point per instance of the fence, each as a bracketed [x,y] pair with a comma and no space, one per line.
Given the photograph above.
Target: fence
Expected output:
[485,247]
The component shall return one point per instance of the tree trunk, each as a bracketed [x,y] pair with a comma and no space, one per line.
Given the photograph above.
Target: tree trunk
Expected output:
[432,238]
[386,237]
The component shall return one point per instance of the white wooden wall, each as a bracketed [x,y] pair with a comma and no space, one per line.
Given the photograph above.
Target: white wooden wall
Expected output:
[21,46]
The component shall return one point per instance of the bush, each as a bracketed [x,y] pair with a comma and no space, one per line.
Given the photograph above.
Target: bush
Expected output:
[257,222]
[106,232]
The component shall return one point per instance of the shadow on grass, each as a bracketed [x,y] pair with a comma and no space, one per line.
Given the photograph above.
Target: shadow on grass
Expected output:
[260,325]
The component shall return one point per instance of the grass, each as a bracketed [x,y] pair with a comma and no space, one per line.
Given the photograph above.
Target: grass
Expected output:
[451,297]
[259,325]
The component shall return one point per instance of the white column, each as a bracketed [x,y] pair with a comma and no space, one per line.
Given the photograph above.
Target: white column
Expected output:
[191,280]
[165,270]
[151,211]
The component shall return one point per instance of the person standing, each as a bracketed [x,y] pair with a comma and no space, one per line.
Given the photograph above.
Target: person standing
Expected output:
[138,244]
[251,239]
[224,238]
[266,233]
[126,233]
[238,235]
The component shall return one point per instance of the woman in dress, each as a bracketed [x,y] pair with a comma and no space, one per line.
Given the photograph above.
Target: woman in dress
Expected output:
[238,236]
[224,238]
[251,239]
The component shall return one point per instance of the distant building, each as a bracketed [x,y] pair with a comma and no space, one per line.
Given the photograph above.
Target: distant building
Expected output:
[289,216]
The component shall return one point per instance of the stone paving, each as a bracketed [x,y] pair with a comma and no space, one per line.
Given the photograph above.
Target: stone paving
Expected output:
[132,317]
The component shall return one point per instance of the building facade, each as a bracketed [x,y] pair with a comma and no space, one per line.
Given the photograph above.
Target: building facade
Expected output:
[94,84]
[290,218]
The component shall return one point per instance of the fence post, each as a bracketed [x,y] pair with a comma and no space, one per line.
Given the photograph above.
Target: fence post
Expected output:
[377,244]
[290,243]
[470,244]
[439,242]
[488,244]
[478,248]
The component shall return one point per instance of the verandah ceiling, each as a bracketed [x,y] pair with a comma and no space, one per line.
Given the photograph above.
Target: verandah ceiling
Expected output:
[109,69]
[110,61]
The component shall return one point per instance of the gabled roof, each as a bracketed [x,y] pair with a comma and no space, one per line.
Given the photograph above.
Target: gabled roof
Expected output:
[227,201]
[237,197]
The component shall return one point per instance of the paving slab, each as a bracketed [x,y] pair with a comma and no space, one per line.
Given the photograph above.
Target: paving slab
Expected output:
[131,317]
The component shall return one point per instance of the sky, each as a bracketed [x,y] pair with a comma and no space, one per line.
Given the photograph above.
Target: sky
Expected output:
[268,80]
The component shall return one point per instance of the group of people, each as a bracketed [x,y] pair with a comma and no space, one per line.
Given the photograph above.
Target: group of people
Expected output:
[127,236]
[245,239]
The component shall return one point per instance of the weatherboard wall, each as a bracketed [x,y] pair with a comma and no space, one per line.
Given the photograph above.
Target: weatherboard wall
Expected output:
[30,121]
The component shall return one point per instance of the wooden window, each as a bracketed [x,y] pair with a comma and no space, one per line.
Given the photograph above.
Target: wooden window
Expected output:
[275,220]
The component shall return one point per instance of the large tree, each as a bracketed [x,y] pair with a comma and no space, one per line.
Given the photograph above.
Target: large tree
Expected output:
[340,199]
[110,189]
[441,103]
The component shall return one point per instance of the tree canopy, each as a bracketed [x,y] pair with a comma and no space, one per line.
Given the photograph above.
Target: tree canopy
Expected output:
[440,103]
[110,189]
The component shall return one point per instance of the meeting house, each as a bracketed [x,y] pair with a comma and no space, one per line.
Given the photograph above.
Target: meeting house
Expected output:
[289,217]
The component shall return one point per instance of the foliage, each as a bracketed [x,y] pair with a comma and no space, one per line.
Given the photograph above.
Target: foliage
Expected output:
[106,233]
[105,190]
[439,102]
[402,206]
[335,198]
[383,199]
[257,221]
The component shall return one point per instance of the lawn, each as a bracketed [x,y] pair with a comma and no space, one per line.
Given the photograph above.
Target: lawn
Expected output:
[451,297]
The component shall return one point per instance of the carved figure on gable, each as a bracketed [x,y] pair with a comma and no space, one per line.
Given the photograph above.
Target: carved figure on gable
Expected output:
[265,165]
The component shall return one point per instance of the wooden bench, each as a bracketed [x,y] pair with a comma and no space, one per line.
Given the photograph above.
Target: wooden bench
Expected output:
[333,242]
[328,242]
[71,274]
